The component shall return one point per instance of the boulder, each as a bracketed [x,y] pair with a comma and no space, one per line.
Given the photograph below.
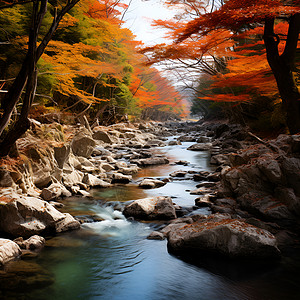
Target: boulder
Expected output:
[66,224]
[121,178]
[200,147]
[8,250]
[221,235]
[174,143]
[35,242]
[150,183]
[54,191]
[83,144]
[179,173]
[152,161]
[291,170]
[27,216]
[158,208]
[102,136]
[129,170]
[94,181]
[61,155]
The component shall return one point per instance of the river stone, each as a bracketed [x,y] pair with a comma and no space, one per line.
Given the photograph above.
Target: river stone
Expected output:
[222,236]
[174,143]
[121,178]
[158,208]
[35,242]
[67,223]
[152,161]
[8,250]
[200,147]
[83,144]
[149,183]
[94,181]
[27,216]
[129,170]
[54,191]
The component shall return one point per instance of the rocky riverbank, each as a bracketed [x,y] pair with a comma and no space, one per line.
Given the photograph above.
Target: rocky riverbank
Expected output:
[56,161]
[253,195]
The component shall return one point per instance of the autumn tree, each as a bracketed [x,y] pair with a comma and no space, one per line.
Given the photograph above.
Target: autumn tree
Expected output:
[26,77]
[232,19]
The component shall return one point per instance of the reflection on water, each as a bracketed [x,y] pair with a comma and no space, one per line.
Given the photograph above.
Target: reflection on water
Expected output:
[112,259]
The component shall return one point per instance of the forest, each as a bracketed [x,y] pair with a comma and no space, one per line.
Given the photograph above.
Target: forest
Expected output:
[74,58]
[138,169]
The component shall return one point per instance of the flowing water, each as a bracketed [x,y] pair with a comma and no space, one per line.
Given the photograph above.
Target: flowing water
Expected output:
[112,259]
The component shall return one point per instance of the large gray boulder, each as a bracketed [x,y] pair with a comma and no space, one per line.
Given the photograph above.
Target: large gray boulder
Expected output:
[8,250]
[221,235]
[27,216]
[158,208]
[83,144]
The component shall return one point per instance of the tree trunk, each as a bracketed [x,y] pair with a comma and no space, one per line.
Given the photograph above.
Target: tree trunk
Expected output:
[27,75]
[283,66]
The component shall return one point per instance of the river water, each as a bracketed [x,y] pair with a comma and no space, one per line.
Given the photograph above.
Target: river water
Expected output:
[112,259]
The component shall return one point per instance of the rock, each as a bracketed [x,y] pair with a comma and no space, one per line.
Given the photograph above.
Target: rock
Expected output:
[27,216]
[84,193]
[158,208]
[200,147]
[35,242]
[152,161]
[25,276]
[5,179]
[129,170]
[102,136]
[265,206]
[181,162]
[121,178]
[174,143]
[94,181]
[61,155]
[72,177]
[83,144]
[219,159]
[186,138]
[149,183]
[8,250]
[107,167]
[156,235]
[201,176]
[200,191]
[178,174]
[271,169]
[203,201]
[222,236]
[54,191]
[67,223]
[291,170]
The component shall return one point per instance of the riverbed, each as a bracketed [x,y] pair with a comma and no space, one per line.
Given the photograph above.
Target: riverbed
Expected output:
[112,259]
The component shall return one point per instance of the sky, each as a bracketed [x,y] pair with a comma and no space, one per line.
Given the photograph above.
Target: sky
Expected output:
[138,20]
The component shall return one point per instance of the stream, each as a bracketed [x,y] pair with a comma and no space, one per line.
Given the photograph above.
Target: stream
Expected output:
[112,259]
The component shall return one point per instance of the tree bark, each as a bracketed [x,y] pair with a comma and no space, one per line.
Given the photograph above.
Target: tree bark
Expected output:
[283,66]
